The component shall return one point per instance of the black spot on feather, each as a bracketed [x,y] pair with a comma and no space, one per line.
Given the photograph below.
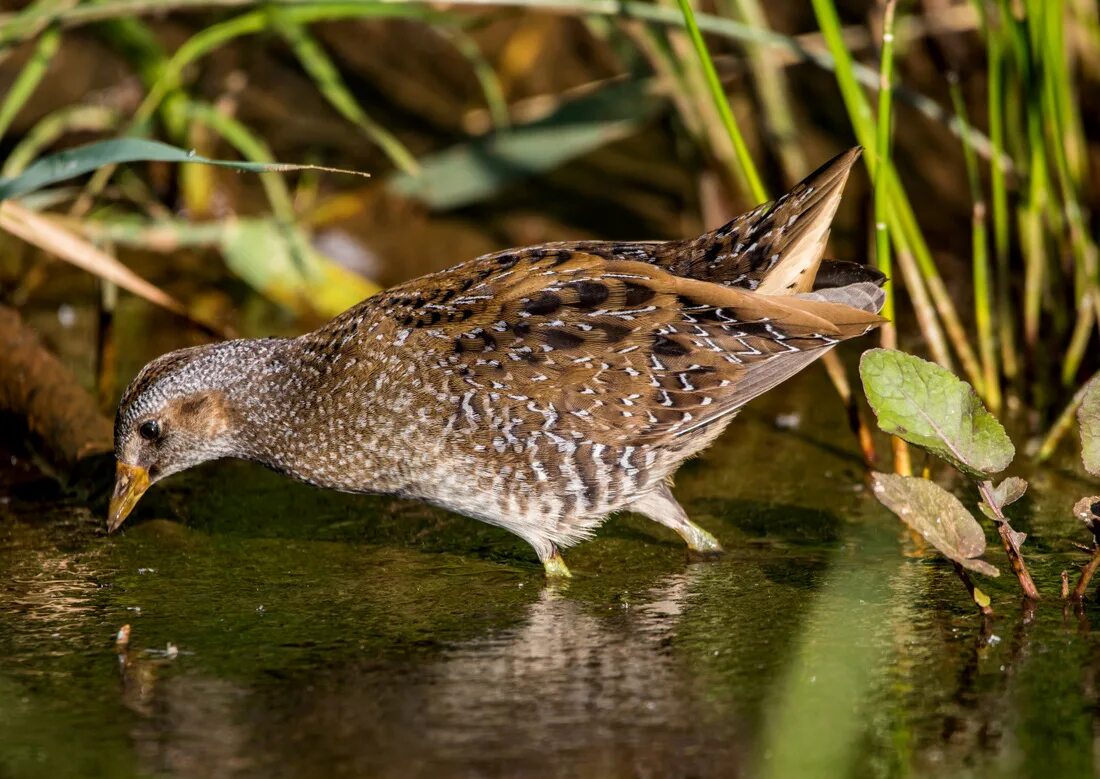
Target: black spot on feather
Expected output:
[614,332]
[542,304]
[666,347]
[637,295]
[590,293]
[562,339]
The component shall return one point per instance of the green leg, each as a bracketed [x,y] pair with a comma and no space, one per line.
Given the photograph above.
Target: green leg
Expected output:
[555,566]
[660,506]
[697,539]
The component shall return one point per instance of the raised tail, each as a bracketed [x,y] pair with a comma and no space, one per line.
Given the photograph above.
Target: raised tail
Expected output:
[777,248]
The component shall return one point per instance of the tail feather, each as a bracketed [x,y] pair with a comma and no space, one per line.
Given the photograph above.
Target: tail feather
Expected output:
[838,273]
[776,248]
[864,295]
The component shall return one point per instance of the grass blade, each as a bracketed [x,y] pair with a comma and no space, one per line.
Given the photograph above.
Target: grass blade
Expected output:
[29,77]
[39,231]
[77,118]
[745,171]
[882,151]
[84,159]
[326,76]
[472,171]
[983,295]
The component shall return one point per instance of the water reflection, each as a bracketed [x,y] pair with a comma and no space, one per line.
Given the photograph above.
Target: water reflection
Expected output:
[576,689]
[812,649]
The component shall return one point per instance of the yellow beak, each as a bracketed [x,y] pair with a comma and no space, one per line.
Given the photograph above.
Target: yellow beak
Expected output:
[131,482]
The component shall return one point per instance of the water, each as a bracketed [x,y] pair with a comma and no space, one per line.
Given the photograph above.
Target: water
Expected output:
[277,630]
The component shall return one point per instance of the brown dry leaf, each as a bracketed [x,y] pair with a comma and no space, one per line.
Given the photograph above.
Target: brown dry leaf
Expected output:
[1088,417]
[1088,510]
[938,516]
[47,235]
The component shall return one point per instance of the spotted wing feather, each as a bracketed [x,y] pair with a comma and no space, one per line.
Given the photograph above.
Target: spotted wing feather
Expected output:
[628,352]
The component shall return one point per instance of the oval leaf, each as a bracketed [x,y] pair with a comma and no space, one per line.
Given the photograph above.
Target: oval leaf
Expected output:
[1088,511]
[938,516]
[1088,417]
[84,159]
[1009,491]
[932,408]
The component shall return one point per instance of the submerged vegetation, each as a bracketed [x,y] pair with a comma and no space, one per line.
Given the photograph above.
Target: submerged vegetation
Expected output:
[1014,308]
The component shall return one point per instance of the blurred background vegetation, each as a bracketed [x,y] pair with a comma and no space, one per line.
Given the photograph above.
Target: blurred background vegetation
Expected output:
[493,123]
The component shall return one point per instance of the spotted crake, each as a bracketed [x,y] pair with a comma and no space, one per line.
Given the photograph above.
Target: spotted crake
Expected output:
[537,389]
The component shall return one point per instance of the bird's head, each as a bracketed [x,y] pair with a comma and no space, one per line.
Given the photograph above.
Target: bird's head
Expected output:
[174,415]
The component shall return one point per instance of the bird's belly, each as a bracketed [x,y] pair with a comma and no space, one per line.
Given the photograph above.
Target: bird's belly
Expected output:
[561,492]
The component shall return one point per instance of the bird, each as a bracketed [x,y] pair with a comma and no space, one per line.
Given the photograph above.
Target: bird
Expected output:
[538,389]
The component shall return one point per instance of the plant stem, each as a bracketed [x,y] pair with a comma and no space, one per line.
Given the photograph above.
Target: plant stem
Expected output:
[1012,547]
[987,611]
[30,75]
[835,368]
[1086,575]
[995,47]
[1063,424]
[983,296]
[745,171]
[882,151]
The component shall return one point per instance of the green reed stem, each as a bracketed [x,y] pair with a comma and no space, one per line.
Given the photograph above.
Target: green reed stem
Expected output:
[995,53]
[883,168]
[983,296]
[1031,231]
[770,82]
[320,67]
[30,75]
[745,171]
[486,76]
[1064,423]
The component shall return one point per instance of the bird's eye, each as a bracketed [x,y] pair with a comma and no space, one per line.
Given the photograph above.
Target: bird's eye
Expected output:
[150,430]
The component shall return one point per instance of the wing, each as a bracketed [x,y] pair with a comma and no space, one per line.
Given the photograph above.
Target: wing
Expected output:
[610,351]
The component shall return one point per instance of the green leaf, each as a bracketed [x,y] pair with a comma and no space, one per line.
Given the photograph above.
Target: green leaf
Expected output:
[1088,417]
[981,598]
[258,250]
[474,171]
[1010,490]
[84,159]
[938,516]
[932,408]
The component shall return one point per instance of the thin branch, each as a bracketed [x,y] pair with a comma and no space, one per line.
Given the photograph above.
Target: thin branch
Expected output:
[1008,538]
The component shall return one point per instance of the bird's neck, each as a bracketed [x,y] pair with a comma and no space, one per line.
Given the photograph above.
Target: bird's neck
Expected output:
[302,411]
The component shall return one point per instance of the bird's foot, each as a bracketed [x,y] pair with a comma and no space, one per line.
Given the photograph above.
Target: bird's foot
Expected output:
[555,567]
[701,544]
